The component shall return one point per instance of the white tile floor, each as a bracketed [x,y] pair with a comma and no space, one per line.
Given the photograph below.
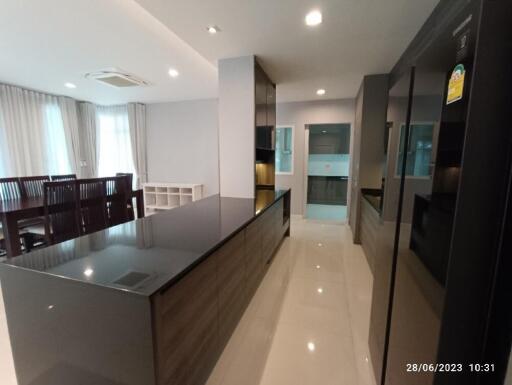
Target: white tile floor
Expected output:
[316,334]
[336,213]
[321,335]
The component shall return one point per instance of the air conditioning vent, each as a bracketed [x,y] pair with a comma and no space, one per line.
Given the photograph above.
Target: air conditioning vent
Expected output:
[115,77]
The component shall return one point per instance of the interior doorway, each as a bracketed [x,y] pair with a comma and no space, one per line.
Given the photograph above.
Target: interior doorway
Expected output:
[327,171]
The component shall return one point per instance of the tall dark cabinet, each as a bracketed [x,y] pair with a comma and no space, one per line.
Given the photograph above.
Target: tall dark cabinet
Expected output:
[443,264]
[265,130]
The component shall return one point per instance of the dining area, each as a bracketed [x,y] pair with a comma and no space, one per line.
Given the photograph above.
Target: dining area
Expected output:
[39,211]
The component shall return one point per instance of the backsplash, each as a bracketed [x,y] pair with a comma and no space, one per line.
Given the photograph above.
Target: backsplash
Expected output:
[329,164]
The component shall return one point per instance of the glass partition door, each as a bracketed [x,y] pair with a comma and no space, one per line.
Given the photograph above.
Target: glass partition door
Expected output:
[327,171]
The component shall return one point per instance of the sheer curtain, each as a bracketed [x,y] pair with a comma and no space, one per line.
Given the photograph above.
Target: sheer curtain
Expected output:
[89,145]
[32,134]
[69,113]
[114,143]
[137,122]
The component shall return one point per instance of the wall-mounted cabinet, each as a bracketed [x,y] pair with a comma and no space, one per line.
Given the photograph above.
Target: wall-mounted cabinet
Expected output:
[265,127]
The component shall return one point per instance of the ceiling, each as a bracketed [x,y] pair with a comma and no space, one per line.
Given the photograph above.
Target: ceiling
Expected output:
[45,44]
[357,37]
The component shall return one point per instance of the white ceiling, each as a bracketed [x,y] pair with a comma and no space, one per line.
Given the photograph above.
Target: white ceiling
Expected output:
[45,43]
[357,37]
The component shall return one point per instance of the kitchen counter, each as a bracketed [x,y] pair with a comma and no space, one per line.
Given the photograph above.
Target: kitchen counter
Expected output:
[144,255]
[153,301]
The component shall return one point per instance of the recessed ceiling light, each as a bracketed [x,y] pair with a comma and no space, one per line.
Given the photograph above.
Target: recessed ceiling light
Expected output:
[213,29]
[314,18]
[70,85]
[173,73]
[311,346]
[320,92]
[320,290]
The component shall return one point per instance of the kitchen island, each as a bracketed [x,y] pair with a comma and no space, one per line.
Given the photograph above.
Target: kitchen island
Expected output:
[152,301]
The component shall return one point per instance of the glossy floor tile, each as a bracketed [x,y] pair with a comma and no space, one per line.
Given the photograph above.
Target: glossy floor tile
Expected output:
[326,212]
[307,323]
[320,334]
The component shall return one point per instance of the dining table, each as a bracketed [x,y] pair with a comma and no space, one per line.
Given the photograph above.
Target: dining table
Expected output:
[14,210]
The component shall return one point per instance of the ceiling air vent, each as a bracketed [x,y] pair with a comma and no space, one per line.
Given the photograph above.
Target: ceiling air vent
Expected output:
[115,77]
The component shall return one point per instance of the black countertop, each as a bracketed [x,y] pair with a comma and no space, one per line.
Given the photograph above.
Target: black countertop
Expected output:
[147,254]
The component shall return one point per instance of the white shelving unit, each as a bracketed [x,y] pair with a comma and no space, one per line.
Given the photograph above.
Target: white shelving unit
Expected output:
[167,196]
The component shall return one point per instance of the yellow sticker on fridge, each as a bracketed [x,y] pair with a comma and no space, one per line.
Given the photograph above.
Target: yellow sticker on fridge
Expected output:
[456,84]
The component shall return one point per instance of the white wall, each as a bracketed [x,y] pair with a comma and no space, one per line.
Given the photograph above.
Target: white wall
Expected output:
[299,114]
[182,140]
[236,127]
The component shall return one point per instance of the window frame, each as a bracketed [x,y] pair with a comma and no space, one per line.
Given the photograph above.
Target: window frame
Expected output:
[292,127]
[397,153]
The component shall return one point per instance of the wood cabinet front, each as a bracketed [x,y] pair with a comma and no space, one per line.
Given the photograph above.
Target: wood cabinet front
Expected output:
[194,319]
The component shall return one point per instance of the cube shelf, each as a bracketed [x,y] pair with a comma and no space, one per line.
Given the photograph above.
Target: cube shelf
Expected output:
[166,196]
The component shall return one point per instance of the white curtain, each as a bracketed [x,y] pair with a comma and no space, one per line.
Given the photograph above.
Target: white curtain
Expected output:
[137,124]
[114,143]
[32,134]
[89,145]
[69,112]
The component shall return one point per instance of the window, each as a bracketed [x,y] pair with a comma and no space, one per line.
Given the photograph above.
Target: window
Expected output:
[419,150]
[114,144]
[284,150]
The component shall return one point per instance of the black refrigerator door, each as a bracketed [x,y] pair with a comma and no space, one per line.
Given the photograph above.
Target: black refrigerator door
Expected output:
[427,156]
[499,329]
[397,117]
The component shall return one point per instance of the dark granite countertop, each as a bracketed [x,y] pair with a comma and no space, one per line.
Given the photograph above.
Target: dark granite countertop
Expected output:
[147,254]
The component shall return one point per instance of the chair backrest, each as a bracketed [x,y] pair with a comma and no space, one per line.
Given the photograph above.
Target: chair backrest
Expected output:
[61,211]
[93,205]
[129,179]
[32,186]
[117,198]
[129,184]
[10,188]
[63,177]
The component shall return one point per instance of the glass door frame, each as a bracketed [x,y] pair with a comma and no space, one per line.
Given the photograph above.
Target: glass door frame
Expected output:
[306,167]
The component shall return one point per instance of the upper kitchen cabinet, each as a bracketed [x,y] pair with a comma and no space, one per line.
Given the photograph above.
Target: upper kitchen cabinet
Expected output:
[265,120]
[271,106]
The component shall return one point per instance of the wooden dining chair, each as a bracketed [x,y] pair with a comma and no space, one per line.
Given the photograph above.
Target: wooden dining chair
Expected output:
[117,198]
[129,183]
[129,178]
[61,209]
[32,186]
[56,178]
[93,205]
[10,188]
[3,249]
